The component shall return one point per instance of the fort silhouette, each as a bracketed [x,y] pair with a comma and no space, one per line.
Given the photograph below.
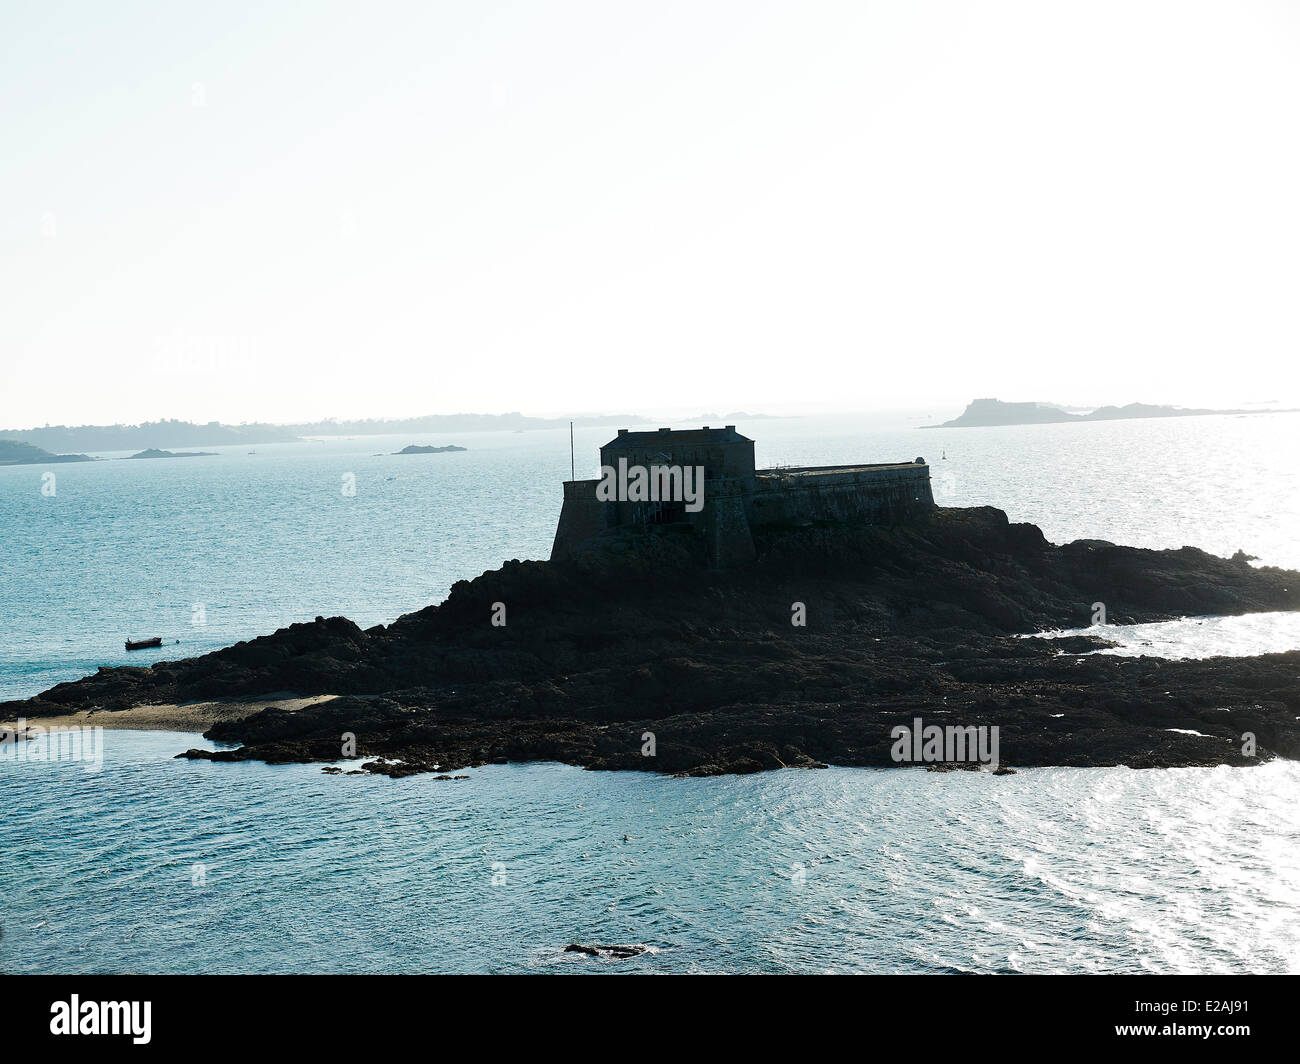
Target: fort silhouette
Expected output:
[737,498]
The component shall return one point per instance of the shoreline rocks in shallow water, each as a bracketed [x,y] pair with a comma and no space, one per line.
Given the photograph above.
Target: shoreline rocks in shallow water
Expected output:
[969,766]
[613,952]
[645,659]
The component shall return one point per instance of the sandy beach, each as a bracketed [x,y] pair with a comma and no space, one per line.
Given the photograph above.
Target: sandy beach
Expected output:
[189,717]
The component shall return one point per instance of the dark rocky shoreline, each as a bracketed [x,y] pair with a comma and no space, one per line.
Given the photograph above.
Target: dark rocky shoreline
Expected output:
[636,635]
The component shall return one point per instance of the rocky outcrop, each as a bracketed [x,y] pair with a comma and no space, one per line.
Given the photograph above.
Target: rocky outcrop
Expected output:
[633,654]
[154,452]
[15,452]
[620,953]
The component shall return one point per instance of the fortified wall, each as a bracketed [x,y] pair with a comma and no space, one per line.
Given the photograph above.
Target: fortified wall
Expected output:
[734,497]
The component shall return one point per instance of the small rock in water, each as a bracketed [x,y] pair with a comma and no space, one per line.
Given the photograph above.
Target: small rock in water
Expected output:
[617,952]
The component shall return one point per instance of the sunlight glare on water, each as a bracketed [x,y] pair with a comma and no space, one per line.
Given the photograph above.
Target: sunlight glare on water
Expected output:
[1075,870]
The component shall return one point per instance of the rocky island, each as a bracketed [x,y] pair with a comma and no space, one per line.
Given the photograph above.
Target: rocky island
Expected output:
[154,452]
[415,448]
[634,643]
[982,413]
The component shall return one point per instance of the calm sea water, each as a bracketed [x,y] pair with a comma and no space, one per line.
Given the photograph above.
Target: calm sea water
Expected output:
[1048,870]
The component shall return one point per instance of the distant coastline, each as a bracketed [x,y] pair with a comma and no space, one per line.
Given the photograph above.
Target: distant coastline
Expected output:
[984,413]
[166,434]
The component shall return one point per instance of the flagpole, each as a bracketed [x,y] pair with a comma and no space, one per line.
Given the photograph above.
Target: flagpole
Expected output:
[573,474]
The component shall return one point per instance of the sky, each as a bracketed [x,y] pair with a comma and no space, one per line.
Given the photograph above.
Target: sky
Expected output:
[291,211]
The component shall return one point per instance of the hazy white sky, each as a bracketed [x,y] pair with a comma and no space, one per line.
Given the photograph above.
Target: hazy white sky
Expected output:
[244,211]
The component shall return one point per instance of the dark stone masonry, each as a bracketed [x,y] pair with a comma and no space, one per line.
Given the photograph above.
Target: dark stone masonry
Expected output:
[738,499]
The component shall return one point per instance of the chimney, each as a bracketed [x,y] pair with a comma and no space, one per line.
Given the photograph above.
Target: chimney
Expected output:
[622,432]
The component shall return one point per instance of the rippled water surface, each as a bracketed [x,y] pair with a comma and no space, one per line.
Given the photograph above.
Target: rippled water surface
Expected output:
[1080,870]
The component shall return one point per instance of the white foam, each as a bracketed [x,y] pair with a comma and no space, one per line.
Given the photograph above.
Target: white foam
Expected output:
[1197,637]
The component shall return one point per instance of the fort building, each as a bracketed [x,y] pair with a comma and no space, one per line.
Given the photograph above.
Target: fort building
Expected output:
[736,497]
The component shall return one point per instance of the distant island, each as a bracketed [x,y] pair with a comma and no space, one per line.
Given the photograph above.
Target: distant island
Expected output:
[985,412]
[416,448]
[153,452]
[150,434]
[12,452]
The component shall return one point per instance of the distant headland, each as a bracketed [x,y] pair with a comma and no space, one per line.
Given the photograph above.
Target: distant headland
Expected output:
[415,448]
[13,452]
[981,413]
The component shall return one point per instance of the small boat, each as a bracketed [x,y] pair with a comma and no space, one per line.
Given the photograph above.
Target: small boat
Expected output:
[143,644]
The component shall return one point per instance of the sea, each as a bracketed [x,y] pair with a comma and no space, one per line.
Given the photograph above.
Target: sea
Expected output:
[138,862]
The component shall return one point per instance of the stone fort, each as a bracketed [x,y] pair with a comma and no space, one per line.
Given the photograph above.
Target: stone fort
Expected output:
[737,498]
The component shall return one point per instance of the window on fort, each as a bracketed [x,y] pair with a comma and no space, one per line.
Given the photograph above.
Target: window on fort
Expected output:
[665,513]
